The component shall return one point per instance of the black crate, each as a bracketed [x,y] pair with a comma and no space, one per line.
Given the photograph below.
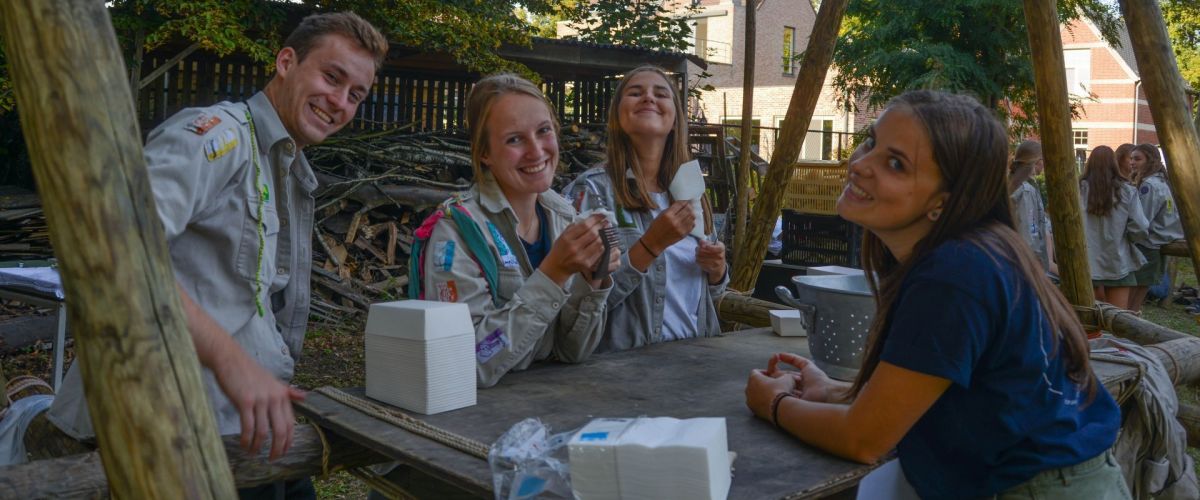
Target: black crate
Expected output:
[820,240]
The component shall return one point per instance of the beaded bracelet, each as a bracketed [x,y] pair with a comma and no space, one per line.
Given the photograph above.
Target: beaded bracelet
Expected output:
[775,406]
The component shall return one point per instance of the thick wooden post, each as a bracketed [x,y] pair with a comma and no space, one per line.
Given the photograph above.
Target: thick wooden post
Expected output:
[1062,181]
[743,168]
[154,426]
[1169,105]
[747,259]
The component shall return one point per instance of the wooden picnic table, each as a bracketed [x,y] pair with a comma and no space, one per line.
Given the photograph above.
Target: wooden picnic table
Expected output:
[683,379]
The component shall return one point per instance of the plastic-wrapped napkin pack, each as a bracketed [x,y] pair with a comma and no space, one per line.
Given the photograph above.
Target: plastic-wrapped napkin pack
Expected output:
[650,458]
[420,355]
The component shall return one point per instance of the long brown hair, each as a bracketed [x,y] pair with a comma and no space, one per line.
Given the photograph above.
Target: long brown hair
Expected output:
[970,148]
[1103,179]
[1153,164]
[632,193]
[1021,169]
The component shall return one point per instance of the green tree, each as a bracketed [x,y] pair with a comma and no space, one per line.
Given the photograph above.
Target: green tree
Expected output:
[1183,25]
[639,23]
[470,30]
[976,46]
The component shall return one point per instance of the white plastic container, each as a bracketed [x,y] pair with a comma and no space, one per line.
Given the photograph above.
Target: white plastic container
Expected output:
[420,355]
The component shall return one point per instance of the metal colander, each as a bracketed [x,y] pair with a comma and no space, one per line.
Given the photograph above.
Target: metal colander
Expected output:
[837,311]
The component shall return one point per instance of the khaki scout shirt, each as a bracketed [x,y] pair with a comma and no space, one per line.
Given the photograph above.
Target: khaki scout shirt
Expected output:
[635,306]
[536,318]
[1111,238]
[1159,207]
[1030,219]
[207,194]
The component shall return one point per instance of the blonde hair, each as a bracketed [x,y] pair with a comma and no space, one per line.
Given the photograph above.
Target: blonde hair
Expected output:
[621,155]
[479,105]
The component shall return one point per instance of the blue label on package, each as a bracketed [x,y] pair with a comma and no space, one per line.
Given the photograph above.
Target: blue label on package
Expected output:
[593,436]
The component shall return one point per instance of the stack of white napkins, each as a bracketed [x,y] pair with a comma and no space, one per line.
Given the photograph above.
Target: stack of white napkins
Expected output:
[421,355]
[650,458]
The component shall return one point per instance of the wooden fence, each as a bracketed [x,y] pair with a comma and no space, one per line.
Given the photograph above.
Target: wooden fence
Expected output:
[426,101]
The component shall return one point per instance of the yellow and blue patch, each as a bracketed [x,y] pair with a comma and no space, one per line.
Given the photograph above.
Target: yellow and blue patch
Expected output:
[221,144]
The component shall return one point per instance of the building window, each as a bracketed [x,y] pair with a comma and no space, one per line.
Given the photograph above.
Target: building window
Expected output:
[818,141]
[1077,68]
[789,50]
[1080,139]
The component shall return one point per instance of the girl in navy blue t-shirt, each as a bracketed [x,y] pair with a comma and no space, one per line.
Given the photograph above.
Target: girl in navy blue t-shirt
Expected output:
[976,370]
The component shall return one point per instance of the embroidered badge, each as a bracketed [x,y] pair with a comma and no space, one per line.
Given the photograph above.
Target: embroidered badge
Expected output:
[443,254]
[490,346]
[506,255]
[448,291]
[203,123]
[220,145]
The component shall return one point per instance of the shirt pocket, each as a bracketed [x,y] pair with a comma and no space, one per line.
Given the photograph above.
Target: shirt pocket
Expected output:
[509,281]
[248,247]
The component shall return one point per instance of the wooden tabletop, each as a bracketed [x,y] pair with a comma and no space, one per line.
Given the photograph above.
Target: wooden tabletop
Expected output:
[682,379]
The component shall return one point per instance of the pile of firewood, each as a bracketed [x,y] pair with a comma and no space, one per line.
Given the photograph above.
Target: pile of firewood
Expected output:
[23,231]
[376,188]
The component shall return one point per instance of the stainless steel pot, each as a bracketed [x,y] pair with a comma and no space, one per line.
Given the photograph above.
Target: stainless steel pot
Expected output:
[837,311]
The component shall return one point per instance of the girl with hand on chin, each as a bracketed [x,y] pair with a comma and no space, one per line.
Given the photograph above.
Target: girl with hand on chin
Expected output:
[665,288]
[1154,195]
[976,368]
[544,302]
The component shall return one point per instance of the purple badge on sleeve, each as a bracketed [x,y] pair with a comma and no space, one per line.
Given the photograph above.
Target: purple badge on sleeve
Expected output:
[490,346]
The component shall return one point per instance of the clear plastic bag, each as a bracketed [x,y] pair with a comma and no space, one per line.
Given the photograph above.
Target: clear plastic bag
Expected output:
[530,462]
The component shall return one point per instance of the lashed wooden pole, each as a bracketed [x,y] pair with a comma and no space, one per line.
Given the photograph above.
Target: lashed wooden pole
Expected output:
[1062,182]
[153,423]
[743,167]
[1168,103]
[747,259]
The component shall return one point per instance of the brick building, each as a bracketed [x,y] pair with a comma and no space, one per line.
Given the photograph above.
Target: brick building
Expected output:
[783,28]
[1104,82]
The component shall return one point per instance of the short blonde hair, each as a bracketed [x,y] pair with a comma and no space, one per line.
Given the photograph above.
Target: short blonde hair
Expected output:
[479,105]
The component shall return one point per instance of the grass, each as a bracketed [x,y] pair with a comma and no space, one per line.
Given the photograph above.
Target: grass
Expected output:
[334,356]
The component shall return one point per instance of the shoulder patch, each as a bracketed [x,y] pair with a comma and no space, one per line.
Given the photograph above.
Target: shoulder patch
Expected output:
[221,144]
[203,123]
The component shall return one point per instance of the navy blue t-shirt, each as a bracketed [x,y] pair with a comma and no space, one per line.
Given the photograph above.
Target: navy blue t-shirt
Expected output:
[537,250]
[1010,411]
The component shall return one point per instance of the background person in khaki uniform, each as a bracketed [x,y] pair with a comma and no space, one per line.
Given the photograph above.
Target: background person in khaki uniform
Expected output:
[1113,222]
[1029,211]
[1155,197]
[234,193]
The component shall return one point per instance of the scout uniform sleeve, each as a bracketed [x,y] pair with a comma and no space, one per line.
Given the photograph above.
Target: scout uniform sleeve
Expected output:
[1137,227]
[505,335]
[192,158]
[580,324]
